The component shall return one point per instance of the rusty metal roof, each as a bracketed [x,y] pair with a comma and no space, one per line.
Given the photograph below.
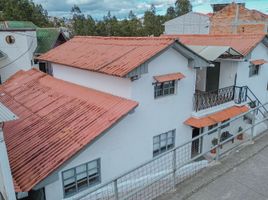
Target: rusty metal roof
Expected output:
[110,55]
[56,120]
[169,77]
[243,43]
[216,117]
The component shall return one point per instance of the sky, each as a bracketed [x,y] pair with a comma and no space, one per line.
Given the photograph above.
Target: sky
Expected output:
[120,8]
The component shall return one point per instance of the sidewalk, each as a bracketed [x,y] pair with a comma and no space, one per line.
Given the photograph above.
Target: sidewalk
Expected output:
[241,175]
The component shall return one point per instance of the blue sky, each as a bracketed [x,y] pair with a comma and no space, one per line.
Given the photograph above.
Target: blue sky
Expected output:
[121,8]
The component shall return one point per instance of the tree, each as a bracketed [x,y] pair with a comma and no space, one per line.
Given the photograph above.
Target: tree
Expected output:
[171,13]
[23,10]
[153,23]
[182,7]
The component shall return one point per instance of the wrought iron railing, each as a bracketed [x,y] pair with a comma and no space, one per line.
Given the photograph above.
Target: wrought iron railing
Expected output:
[204,100]
[164,172]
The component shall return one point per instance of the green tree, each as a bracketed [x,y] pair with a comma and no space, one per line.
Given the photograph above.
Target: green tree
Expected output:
[171,13]
[23,10]
[182,7]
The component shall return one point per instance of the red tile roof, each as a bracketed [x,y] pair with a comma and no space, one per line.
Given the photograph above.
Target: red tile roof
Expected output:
[110,55]
[243,43]
[169,77]
[56,120]
[258,62]
[216,117]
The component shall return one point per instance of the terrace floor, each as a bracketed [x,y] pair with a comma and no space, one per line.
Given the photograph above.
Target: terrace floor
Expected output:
[241,175]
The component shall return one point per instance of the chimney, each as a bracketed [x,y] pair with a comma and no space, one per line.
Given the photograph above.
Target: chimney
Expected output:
[6,181]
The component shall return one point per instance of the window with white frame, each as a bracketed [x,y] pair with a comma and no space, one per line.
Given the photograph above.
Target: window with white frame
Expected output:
[164,89]
[81,177]
[163,142]
[254,70]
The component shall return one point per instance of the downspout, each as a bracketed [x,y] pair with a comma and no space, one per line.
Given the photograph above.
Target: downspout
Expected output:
[6,181]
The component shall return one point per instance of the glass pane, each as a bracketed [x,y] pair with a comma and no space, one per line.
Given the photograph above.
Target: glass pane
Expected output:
[81,176]
[69,182]
[70,190]
[166,91]
[81,168]
[170,134]
[163,136]
[170,141]
[156,146]
[82,183]
[68,174]
[92,165]
[92,171]
[156,139]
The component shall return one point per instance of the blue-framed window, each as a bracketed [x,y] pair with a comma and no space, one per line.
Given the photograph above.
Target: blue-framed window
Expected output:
[81,177]
[163,142]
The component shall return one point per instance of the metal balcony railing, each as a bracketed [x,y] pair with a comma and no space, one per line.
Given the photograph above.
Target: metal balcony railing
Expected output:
[204,100]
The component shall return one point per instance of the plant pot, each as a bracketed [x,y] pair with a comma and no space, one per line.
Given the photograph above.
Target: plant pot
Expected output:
[240,136]
[213,151]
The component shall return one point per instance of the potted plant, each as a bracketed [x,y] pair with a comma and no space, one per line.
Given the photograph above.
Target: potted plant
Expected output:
[240,136]
[214,142]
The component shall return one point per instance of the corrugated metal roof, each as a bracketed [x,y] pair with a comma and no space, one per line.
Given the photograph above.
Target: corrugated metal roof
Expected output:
[258,62]
[17,25]
[56,120]
[213,52]
[110,55]
[216,117]
[5,114]
[169,77]
[243,43]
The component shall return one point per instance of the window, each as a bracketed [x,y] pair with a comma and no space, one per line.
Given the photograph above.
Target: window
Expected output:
[211,127]
[254,70]
[10,39]
[164,89]
[83,176]
[163,142]
[225,125]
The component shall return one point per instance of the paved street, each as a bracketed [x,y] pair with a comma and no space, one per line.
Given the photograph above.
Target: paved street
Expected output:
[245,182]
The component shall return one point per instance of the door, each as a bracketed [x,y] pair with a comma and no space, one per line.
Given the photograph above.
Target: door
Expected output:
[213,77]
[197,143]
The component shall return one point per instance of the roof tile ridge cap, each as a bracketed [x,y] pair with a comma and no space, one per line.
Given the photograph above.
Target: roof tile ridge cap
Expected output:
[123,38]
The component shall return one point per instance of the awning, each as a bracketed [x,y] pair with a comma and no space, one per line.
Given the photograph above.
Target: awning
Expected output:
[2,55]
[169,77]
[216,117]
[258,62]
[213,52]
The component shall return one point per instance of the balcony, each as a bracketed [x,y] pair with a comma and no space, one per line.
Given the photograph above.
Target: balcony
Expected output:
[204,100]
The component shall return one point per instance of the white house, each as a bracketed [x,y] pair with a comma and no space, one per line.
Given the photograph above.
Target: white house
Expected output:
[20,42]
[222,90]
[190,23]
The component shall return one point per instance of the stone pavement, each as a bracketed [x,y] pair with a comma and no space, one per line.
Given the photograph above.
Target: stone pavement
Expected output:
[242,175]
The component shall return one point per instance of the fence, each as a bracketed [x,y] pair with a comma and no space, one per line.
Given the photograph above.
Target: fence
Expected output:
[169,169]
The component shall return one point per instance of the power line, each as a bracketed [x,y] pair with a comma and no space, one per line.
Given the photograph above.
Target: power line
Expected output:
[18,56]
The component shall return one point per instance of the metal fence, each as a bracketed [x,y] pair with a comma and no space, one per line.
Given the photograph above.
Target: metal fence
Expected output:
[169,169]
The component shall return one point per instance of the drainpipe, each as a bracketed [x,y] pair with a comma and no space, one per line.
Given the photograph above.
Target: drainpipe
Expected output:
[6,180]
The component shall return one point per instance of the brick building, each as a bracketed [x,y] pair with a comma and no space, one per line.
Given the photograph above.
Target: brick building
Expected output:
[237,19]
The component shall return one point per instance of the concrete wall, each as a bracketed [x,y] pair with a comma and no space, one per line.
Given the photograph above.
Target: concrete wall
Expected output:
[106,83]
[190,23]
[19,54]
[130,142]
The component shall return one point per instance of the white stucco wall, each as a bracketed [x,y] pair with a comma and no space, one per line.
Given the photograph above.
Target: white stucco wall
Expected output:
[228,70]
[106,83]
[19,54]
[190,23]
[258,83]
[130,142]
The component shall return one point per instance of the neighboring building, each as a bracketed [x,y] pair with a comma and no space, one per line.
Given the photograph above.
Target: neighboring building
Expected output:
[239,76]
[21,41]
[190,23]
[62,126]
[7,191]
[18,43]
[237,19]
